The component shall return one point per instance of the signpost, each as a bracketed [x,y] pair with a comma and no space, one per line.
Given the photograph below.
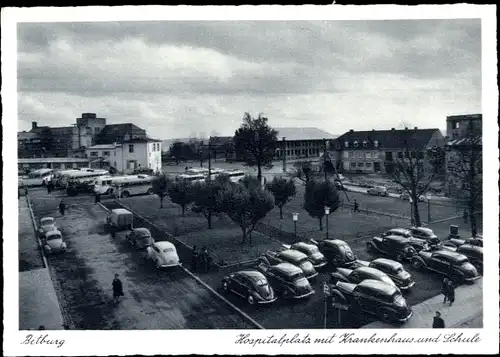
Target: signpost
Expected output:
[339,307]
[327,293]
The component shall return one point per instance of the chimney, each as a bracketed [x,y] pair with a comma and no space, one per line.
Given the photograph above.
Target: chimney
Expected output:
[406,128]
[351,130]
[373,129]
[392,129]
[415,128]
[34,125]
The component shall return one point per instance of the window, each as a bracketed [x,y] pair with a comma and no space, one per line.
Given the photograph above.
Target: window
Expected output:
[364,143]
[407,155]
[114,163]
[400,155]
[96,130]
[361,164]
[413,154]
[346,144]
[359,154]
[457,125]
[352,164]
[375,154]
[368,155]
[106,153]
[346,154]
[356,144]
[56,165]
[93,153]
[420,155]
[368,165]
[375,143]
[388,156]
[131,148]
[288,152]
[351,154]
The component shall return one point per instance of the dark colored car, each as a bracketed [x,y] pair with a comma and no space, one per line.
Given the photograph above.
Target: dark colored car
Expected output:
[394,270]
[473,253]
[426,234]
[140,238]
[337,252]
[294,257]
[357,275]
[416,243]
[374,297]
[478,242]
[250,285]
[397,247]
[287,280]
[317,259]
[444,261]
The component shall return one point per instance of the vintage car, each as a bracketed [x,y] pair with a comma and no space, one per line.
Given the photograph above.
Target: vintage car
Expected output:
[416,243]
[313,254]
[163,254]
[287,280]
[53,242]
[426,234]
[47,224]
[473,253]
[120,219]
[293,257]
[454,265]
[140,238]
[394,270]
[357,275]
[251,285]
[374,297]
[378,191]
[336,251]
[393,246]
[405,196]
[457,242]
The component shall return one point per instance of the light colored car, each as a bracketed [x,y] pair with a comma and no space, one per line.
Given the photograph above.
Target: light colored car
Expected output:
[405,196]
[163,254]
[377,191]
[53,242]
[47,224]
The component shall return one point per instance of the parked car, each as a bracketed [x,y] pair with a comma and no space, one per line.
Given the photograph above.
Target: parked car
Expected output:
[393,246]
[374,297]
[163,254]
[120,219]
[457,242]
[251,285]
[340,186]
[378,191]
[394,270]
[357,275]
[416,243]
[294,257]
[47,224]
[53,242]
[454,265]
[473,253]
[426,234]
[140,238]
[405,196]
[317,259]
[287,280]
[336,251]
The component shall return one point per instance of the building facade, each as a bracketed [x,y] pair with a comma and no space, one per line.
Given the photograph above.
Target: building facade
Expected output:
[56,163]
[301,143]
[378,151]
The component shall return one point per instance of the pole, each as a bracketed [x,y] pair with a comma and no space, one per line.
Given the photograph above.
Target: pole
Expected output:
[327,226]
[339,316]
[325,314]
[428,210]
[324,160]
[284,154]
[295,228]
[209,163]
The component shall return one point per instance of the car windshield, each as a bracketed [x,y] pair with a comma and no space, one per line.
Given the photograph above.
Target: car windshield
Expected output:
[261,283]
[312,250]
[399,300]
[168,250]
[302,282]
[145,239]
[387,280]
[462,261]
[296,276]
[397,269]
[47,221]
[54,237]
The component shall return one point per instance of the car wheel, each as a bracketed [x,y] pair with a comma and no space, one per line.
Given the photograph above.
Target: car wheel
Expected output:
[400,257]
[125,194]
[417,264]
[250,300]
[385,315]
[150,191]
[457,279]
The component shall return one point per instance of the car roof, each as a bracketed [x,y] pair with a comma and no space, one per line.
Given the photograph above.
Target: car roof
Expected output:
[164,244]
[450,254]
[470,247]
[378,286]
[387,262]
[401,230]
[398,238]
[424,230]
[142,230]
[253,275]
[120,211]
[44,218]
[287,268]
[370,271]
[336,242]
[303,245]
[293,254]
[53,233]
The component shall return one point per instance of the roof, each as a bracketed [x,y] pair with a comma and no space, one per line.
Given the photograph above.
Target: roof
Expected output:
[292,134]
[142,230]
[252,274]
[164,244]
[52,160]
[104,146]
[293,254]
[387,262]
[378,286]
[61,130]
[398,238]
[470,247]
[120,211]
[53,233]
[220,140]
[336,242]
[416,138]
[117,132]
[450,254]
[44,218]
[401,230]
[304,245]
[25,135]
[370,271]
[465,117]
[288,268]
[141,140]
[467,141]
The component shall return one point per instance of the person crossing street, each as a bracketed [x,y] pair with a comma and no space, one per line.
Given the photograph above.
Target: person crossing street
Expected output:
[62,207]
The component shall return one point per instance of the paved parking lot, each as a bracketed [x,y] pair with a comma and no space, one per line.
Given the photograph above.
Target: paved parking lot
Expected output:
[169,300]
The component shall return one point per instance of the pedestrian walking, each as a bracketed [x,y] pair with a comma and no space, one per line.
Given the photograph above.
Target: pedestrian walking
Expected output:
[62,207]
[194,259]
[48,188]
[117,288]
[451,292]
[465,216]
[97,198]
[437,322]
[25,191]
[356,206]
[445,289]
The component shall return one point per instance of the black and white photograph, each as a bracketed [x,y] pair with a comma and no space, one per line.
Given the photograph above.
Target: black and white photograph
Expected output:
[250,180]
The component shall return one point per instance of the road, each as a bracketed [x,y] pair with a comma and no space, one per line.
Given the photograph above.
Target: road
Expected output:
[169,300]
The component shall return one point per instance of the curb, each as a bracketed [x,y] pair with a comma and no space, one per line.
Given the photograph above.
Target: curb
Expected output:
[35,226]
[205,285]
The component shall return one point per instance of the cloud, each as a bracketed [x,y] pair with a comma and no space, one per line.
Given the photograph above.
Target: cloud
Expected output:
[177,77]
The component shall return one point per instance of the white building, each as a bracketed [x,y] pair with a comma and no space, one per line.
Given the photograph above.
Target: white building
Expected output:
[143,153]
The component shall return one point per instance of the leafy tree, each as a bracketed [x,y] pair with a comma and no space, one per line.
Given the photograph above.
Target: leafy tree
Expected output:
[181,193]
[303,171]
[246,206]
[319,194]
[255,142]
[182,151]
[283,191]
[250,182]
[208,197]
[160,187]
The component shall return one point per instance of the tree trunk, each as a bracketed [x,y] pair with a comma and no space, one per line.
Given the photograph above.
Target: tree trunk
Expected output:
[416,214]
[183,209]
[244,235]
[281,212]
[259,172]
[161,201]
[209,219]
[320,223]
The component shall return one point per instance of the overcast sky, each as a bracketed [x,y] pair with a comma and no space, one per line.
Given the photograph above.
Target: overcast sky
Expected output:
[180,79]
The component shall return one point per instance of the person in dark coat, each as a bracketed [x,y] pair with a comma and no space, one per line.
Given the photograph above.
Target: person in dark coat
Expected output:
[62,207]
[356,206]
[195,256]
[207,260]
[451,292]
[97,198]
[203,259]
[445,289]
[465,216]
[117,288]
[437,322]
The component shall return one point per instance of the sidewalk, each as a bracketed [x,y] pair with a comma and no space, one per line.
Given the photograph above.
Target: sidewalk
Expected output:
[466,311]
[38,304]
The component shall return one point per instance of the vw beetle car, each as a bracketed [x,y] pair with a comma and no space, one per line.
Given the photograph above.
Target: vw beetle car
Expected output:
[251,285]
[337,252]
[313,254]
[293,257]
[397,247]
[378,191]
[416,243]
[473,253]
[357,275]
[140,238]
[53,242]
[287,280]
[374,297]
[426,234]
[454,265]
[163,254]
[47,224]
[405,196]
[458,242]
[394,270]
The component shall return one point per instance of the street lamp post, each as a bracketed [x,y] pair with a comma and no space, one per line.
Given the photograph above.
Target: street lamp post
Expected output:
[428,207]
[295,219]
[327,213]
[411,211]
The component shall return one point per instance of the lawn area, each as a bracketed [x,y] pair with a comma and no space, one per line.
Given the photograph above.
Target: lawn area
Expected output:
[223,240]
